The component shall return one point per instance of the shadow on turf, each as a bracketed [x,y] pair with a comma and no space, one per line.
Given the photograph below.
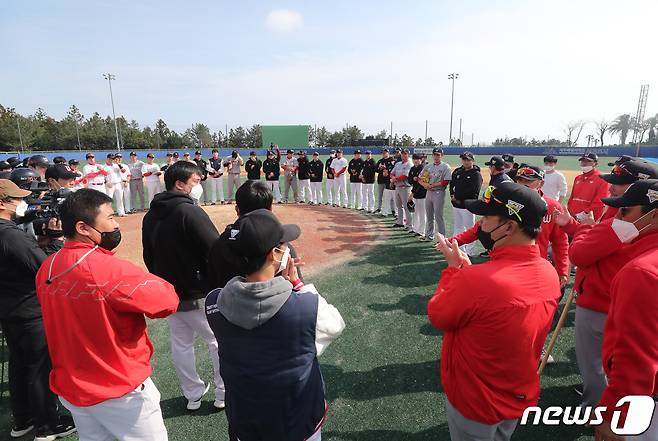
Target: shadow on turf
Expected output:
[382,381]
[438,433]
[175,407]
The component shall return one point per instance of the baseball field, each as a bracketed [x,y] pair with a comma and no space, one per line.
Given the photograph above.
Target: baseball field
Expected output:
[382,374]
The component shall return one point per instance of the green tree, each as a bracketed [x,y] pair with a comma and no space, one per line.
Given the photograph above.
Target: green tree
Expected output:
[621,126]
[254,137]
[237,138]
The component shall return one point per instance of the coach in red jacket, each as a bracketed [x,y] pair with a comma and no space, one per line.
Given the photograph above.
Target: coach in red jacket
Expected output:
[93,311]
[588,189]
[495,317]
[630,347]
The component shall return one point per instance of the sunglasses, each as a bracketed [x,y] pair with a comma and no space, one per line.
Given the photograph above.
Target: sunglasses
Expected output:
[529,173]
[620,171]
[488,196]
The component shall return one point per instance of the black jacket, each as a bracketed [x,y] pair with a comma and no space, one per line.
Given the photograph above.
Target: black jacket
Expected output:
[368,171]
[498,179]
[253,168]
[465,184]
[417,190]
[20,259]
[328,169]
[304,171]
[317,170]
[383,164]
[203,165]
[271,166]
[354,169]
[176,237]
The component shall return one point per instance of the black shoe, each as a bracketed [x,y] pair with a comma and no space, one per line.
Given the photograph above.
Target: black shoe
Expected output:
[65,427]
[23,429]
[377,210]
[398,225]
[578,389]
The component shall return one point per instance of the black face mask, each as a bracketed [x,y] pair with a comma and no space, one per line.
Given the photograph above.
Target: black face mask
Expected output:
[109,239]
[485,237]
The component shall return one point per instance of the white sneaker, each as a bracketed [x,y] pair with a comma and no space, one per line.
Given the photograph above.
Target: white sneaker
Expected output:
[219,404]
[196,404]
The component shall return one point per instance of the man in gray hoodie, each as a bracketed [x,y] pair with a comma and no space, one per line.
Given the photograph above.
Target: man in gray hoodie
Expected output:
[270,331]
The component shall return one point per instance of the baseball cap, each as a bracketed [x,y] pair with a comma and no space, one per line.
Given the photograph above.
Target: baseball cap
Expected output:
[4,165]
[530,173]
[512,201]
[368,152]
[622,158]
[257,232]
[290,151]
[10,190]
[73,162]
[643,192]
[150,155]
[118,155]
[186,154]
[405,151]
[169,155]
[496,161]
[416,156]
[133,154]
[215,151]
[339,150]
[316,154]
[252,153]
[332,151]
[550,159]
[198,152]
[89,155]
[111,156]
[59,160]
[270,153]
[357,152]
[398,149]
[13,161]
[234,153]
[437,150]
[60,171]
[176,155]
[467,156]
[630,171]
[590,156]
[384,150]
[302,152]
[507,157]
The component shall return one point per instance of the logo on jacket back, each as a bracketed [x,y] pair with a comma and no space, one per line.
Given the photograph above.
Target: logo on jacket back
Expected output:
[234,234]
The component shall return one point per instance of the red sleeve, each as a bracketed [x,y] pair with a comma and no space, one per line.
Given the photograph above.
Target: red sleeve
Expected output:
[560,244]
[92,175]
[602,191]
[148,174]
[468,236]
[634,363]
[582,253]
[571,227]
[445,183]
[103,172]
[341,171]
[451,306]
[142,292]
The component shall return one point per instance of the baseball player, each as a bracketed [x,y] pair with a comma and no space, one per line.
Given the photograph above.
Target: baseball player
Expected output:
[354,168]
[388,206]
[510,167]
[339,166]
[304,177]
[94,174]
[330,177]
[272,171]
[151,173]
[80,181]
[205,184]
[216,171]
[136,182]
[168,162]
[232,165]
[290,167]
[497,171]
[435,179]
[418,195]
[125,182]
[114,182]
[465,183]
[382,177]
[252,166]
[400,176]
[316,172]
[368,183]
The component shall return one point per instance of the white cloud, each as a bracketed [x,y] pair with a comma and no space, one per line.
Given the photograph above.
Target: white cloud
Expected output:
[284,20]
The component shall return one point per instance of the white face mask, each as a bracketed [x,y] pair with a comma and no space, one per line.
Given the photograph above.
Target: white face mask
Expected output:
[586,168]
[21,209]
[549,168]
[196,192]
[283,263]
[627,231]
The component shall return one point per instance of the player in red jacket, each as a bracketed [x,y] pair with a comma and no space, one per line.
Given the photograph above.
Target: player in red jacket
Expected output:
[630,347]
[587,190]
[495,317]
[93,311]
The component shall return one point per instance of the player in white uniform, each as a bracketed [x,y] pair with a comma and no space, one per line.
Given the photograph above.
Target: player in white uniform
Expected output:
[151,173]
[114,183]
[94,174]
[339,165]
[125,182]
[80,181]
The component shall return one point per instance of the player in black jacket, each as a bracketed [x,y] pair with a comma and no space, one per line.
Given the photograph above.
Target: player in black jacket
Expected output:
[330,177]
[316,169]
[272,171]
[368,179]
[253,166]
[304,177]
[354,169]
[465,183]
[418,193]
[203,166]
[383,178]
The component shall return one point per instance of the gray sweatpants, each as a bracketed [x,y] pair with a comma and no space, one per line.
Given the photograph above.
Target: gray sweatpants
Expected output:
[463,429]
[290,181]
[401,199]
[137,190]
[380,195]
[589,346]
[233,185]
[434,202]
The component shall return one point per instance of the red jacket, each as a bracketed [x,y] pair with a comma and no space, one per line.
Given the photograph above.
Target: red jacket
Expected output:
[550,234]
[630,347]
[94,321]
[586,193]
[599,255]
[572,226]
[495,317]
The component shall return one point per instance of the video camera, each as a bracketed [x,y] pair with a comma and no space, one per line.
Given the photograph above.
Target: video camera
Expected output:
[40,211]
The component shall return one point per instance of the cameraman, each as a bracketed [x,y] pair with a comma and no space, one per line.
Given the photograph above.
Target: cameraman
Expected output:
[32,402]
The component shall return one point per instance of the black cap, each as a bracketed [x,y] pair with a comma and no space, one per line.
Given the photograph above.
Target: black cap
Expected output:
[89,155]
[13,161]
[416,156]
[252,153]
[270,153]
[339,150]
[332,151]
[175,155]
[368,152]
[133,154]
[110,156]
[398,149]
[4,165]
[508,157]
[643,192]
[118,155]
[530,173]
[384,150]
[38,161]
[59,160]
[357,152]
[73,162]
[590,156]
[622,158]
[256,233]
[290,151]
[169,155]
[198,152]
[436,150]
[301,152]
[215,151]
[234,153]
[60,171]
[513,201]
[629,171]
[405,151]
[150,155]
[551,159]
[496,161]
[467,156]
[316,154]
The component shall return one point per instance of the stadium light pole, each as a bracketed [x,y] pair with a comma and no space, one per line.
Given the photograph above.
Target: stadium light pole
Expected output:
[453,77]
[109,77]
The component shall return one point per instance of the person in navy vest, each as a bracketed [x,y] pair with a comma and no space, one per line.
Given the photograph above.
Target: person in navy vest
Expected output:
[270,331]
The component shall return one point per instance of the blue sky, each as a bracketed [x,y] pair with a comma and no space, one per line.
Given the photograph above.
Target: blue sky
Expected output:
[526,67]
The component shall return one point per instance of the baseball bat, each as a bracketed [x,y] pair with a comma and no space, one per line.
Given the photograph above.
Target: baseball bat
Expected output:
[558,328]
